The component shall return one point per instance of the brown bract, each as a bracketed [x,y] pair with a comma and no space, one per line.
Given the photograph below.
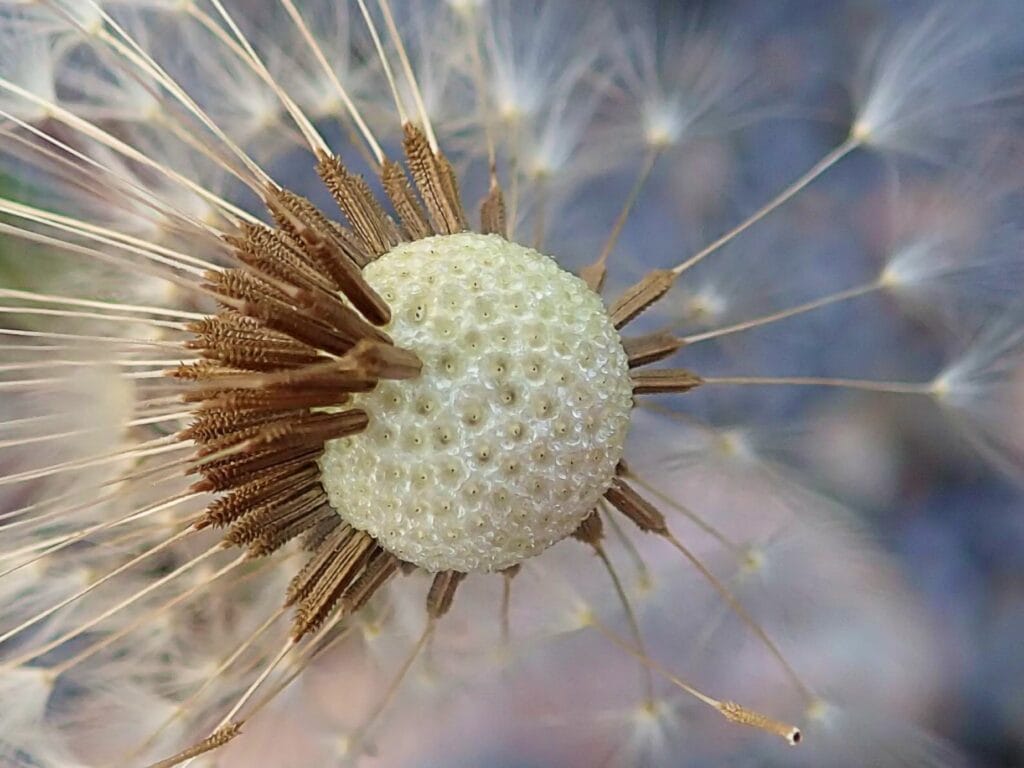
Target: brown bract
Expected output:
[297,334]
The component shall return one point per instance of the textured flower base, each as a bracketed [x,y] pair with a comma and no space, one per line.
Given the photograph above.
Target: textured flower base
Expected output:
[511,434]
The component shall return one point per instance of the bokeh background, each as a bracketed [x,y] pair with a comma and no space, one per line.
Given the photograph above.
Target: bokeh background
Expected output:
[954,524]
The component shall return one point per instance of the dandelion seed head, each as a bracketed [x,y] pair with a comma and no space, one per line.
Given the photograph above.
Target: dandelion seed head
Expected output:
[924,83]
[285,428]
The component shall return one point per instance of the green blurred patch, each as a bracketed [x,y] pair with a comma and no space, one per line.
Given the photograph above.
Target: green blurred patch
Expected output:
[30,266]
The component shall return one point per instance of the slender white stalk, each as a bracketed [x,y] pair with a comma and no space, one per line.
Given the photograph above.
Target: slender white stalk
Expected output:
[125,45]
[150,448]
[113,610]
[47,612]
[385,64]
[58,543]
[100,136]
[139,192]
[250,691]
[350,106]
[145,618]
[819,168]
[148,421]
[10,293]
[775,317]
[103,235]
[403,57]
[111,340]
[867,385]
[129,319]
[102,256]
[315,140]
[182,709]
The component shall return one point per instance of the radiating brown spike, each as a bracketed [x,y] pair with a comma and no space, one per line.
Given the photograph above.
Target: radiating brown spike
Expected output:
[331,255]
[266,400]
[442,592]
[316,536]
[435,182]
[216,740]
[492,212]
[204,370]
[209,427]
[274,257]
[323,238]
[351,245]
[349,596]
[400,193]
[327,586]
[274,514]
[640,296]
[650,348]
[328,309]
[450,182]
[739,714]
[338,376]
[309,430]
[253,354]
[284,529]
[353,196]
[240,284]
[591,530]
[274,484]
[382,566]
[634,506]
[664,380]
[593,275]
[335,544]
[230,473]
[337,338]
[315,290]
[290,464]
[385,361]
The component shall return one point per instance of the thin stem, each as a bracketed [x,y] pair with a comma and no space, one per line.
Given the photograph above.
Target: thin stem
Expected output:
[694,518]
[227,662]
[250,691]
[783,197]
[86,626]
[743,614]
[385,64]
[868,385]
[403,58]
[360,733]
[646,167]
[731,711]
[774,317]
[309,133]
[318,53]
[634,625]
[9,293]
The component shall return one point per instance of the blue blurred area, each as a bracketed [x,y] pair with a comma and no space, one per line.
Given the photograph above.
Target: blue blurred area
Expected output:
[956,529]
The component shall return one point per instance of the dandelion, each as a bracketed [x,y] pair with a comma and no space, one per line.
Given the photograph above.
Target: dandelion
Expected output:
[304,435]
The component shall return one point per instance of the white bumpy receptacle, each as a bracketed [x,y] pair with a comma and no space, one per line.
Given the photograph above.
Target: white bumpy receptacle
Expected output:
[512,432]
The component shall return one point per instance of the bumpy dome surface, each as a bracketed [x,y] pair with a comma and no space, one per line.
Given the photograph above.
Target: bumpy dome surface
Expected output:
[511,434]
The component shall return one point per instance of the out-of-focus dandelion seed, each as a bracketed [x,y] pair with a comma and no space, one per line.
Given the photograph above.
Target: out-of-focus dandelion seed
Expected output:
[928,83]
[984,384]
[292,420]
